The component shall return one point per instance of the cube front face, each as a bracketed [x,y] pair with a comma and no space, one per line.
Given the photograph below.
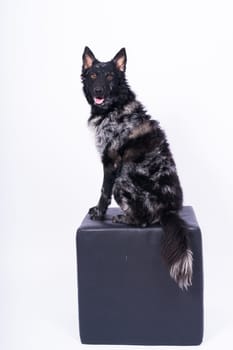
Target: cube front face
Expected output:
[126,295]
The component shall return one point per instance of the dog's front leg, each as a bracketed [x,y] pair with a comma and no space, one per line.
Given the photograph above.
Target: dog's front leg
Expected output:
[98,212]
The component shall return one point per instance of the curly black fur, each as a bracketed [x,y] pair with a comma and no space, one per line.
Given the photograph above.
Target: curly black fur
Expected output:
[139,169]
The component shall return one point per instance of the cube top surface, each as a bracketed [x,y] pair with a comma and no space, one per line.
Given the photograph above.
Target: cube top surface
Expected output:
[187,213]
[126,295]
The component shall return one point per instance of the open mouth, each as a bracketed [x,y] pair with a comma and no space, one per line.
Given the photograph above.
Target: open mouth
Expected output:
[98,101]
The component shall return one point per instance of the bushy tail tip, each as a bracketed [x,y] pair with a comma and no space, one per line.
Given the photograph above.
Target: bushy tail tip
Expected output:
[182,270]
[176,249]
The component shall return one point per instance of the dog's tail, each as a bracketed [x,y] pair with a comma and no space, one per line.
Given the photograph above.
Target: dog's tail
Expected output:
[176,249]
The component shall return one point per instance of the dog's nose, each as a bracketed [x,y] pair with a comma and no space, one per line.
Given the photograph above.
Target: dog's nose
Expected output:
[99,91]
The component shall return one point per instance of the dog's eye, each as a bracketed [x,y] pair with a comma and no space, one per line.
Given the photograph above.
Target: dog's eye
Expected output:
[109,77]
[93,76]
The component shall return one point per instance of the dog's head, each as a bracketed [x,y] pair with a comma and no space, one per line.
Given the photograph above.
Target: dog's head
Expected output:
[102,81]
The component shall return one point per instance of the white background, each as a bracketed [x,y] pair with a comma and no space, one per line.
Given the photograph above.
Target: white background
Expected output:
[180,57]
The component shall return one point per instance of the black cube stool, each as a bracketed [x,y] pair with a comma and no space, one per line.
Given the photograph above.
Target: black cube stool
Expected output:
[126,295]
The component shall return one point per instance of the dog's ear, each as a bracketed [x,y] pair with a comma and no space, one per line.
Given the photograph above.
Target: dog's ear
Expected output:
[120,60]
[88,58]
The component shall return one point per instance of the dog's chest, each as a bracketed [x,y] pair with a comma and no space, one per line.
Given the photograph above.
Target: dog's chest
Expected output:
[109,133]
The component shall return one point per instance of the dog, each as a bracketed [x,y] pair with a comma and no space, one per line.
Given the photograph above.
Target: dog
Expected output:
[139,169]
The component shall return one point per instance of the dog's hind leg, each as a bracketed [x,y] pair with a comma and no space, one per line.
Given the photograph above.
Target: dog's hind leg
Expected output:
[132,204]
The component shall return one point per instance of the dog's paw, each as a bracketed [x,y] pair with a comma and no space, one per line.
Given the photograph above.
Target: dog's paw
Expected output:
[96,214]
[117,219]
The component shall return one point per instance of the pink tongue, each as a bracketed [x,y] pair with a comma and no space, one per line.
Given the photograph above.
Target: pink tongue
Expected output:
[98,101]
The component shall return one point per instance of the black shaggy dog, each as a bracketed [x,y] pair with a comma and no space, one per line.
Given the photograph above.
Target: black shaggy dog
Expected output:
[139,169]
